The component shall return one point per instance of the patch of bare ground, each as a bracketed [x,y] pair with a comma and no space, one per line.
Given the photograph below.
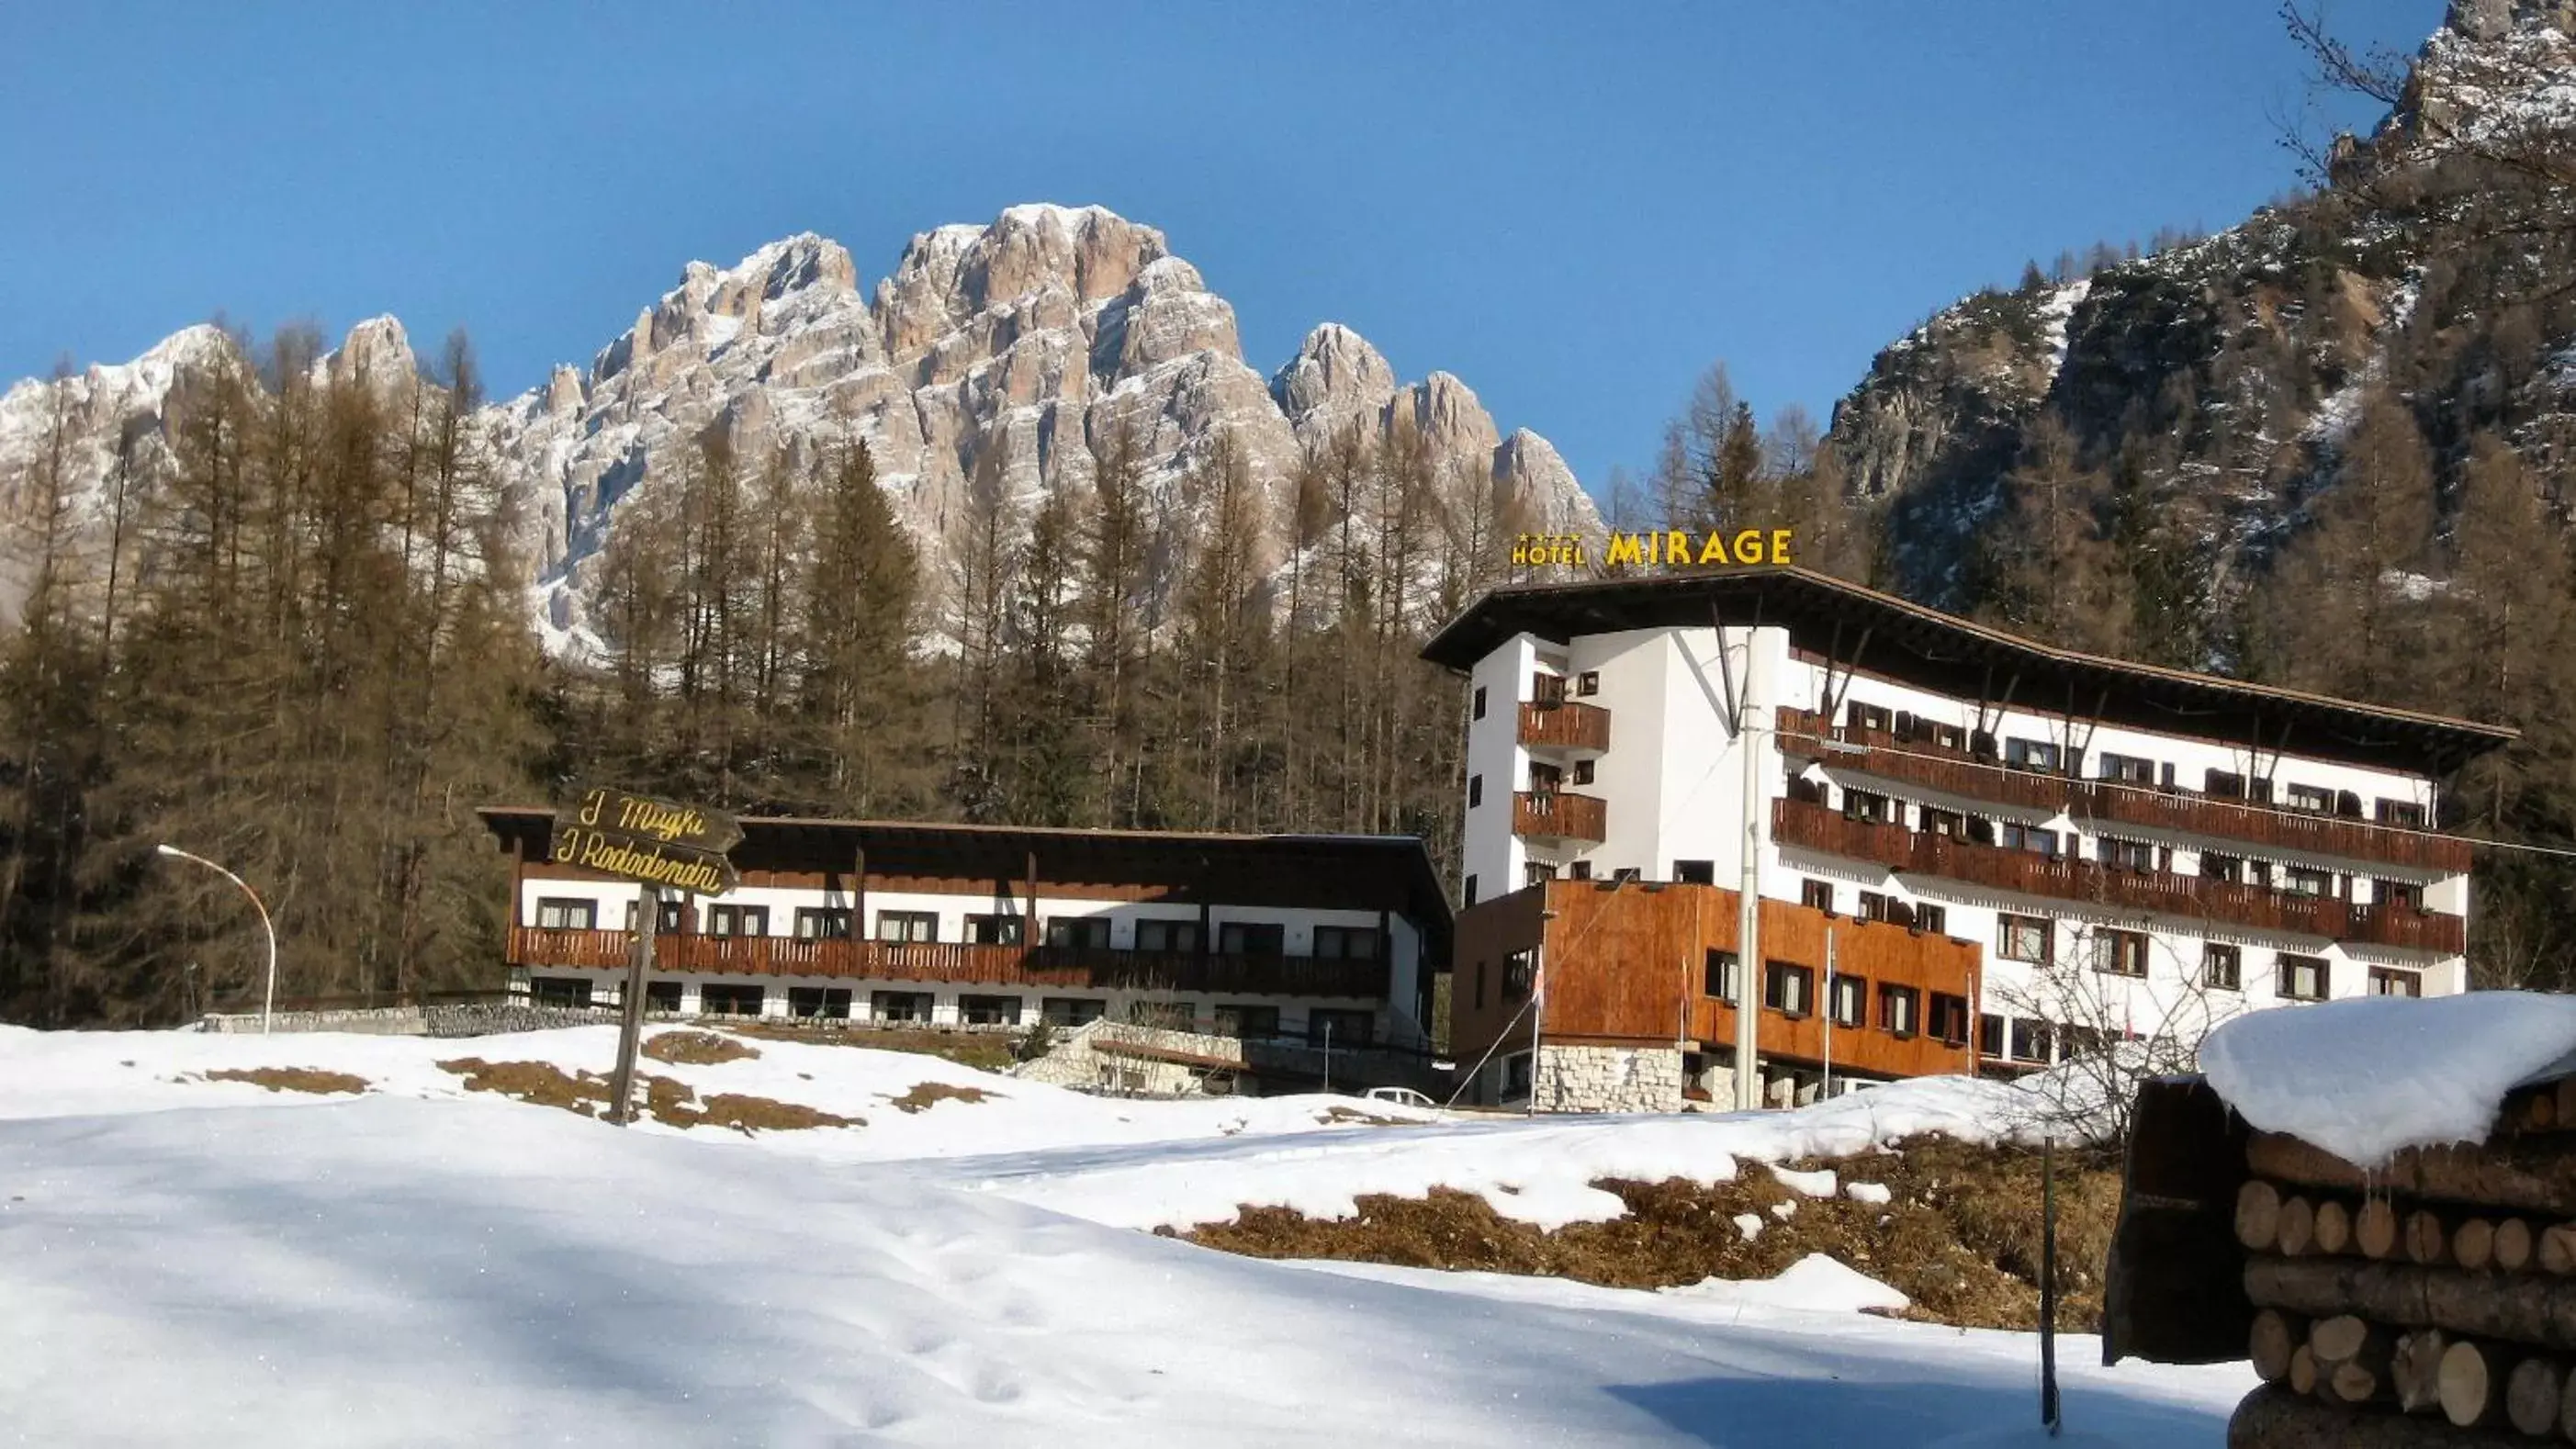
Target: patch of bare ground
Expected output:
[292,1079]
[924,1094]
[1337,1115]
[983,1050]
[665,1099]
[1960,1235]
[697,1048]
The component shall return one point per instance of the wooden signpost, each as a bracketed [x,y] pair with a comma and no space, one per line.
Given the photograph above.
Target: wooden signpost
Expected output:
[660,845]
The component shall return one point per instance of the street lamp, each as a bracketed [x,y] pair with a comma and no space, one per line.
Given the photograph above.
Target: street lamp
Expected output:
[268,1007]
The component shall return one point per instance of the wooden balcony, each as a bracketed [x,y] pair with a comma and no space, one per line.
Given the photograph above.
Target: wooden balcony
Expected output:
[1801,823]
[1066,968]
[1560,815]
[2190,813]
[1805,735]
[1565,725]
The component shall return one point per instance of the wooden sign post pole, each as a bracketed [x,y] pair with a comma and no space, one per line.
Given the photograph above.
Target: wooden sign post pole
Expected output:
[621,1088]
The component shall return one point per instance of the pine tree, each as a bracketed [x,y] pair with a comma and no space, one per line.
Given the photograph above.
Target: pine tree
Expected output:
[858,689]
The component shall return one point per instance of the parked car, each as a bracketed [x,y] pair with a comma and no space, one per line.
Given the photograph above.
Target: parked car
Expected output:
[1400,1096]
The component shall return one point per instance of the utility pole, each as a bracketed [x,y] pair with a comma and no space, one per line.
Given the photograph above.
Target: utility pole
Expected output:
[1748,920]
[621,1087]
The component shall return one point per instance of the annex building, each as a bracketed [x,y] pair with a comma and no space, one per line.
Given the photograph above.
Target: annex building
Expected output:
[1332,939]
[2014,849]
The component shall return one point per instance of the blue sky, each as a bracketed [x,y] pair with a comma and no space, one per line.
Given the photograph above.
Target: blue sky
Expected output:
[1576,208]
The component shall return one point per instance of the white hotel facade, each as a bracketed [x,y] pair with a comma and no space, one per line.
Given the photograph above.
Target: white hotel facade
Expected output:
[1265,937]
[2134,849]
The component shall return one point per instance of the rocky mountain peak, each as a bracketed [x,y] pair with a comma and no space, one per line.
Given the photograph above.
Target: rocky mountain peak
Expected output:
[1335,376]
[2494,19]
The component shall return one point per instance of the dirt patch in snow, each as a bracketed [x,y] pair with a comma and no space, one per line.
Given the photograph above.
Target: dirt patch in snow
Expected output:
[1960,1235]
[665,1100]
[291,1079]
[1337,1116]
[698,1048]
[925,1094]
[986,1051]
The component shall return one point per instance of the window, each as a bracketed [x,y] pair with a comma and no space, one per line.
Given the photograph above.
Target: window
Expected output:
[737,920]
[1900,1010]
[2221,867]
[2031,755]
[2301,881]
[908,927]
[1518,968]
[1468,895]
[2389,981]
[1873,907]
[1945,822]
[899,1006]
[1242,938]
[1588,682]
[1944,736]
[989,1010]
[2032,1041]
[830,1003]
[1480,986]
[1345,943]
[2119,953]
[1259,1023]
[2398,893]
[1339,1028]
[1934,919]
[1475,791]
[1078,933]
[1480,701]
[557,913]
[2127,769]
[1579,870]
[1537,872]
[2022,938]
[1847,1000]
[662,996]
[997,929]
[1717,976]
[1788,989]
[1817,894]
[1180,937]
[830,923]
[731,1000]
[2312,799]
[1949,1018]
[2302,978]
[2224,784]
[2128,854]
[1516,1075]
[2403,813]
[1695,872]
[559,991]
[1545,779]
[1870,717]
[671,920]
[1862,805]
[1990,1036]
[1547,688]
[2013,835]
[1070,1010]
[1583,772]
[2222,968]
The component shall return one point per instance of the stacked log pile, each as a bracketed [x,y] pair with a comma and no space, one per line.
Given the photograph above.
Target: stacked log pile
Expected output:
[2430,1303]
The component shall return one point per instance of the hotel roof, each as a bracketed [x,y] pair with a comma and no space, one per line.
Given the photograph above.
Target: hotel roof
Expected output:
[1882,634]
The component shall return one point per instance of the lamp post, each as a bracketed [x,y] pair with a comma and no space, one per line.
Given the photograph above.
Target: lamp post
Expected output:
[268,1005]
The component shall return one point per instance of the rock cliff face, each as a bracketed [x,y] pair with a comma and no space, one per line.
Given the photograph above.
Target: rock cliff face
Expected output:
[988,363]
[2224,369]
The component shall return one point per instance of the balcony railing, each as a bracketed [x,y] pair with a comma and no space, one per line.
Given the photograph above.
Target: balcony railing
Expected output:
[1956,772]
[1559,815]
[1813,826]
[1069,968]
[1565,725]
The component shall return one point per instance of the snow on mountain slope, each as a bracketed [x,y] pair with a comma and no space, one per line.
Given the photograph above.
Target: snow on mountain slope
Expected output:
[388,1269]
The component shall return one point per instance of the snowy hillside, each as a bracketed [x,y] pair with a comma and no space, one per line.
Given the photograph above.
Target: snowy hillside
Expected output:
[414,1263]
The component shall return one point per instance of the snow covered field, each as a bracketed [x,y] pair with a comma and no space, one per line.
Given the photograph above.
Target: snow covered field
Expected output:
[194,1262]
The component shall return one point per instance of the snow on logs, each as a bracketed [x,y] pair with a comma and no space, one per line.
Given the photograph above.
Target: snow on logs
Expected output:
[2428,1302]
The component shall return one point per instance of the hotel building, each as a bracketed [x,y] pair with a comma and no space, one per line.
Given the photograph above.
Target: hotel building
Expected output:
[2014,849]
